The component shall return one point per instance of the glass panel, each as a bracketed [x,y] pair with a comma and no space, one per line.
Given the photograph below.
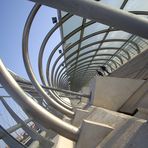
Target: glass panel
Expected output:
[114,3]
[71,24]
[118,35]
[116,59]
[86,55]
[71,51]
[72,39]
[102,57]
[81,67]
[63,13]
[87,20]
[112,64]
[94,28]
[107,51]
[137,5]
[73,57]
[122,54]
[90,48]
[95,65]
[142,43]
[3,144]
[93,39]
[6,119]
[74,61]
[85,60]
[99,61]
[112,44]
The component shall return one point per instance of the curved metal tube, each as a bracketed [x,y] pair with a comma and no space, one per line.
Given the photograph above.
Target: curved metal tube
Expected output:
[66,50]
[40,57]
[101,49]
[85,62]
[29,68]
[91,69]
[128,56]
[109,15]
[57,69]
[138,12]
[60,101]
[68,91]
[35,110]
[55,49]
[58,72]
[54,65]
[95,32]
[64,73]
[71,69]
[42,48]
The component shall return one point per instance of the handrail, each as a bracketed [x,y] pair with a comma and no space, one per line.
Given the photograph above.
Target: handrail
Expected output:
[67,91]
[60,90]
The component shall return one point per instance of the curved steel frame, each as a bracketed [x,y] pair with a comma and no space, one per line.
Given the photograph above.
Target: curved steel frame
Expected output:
[52,81]
[29,68]
[67,37]
[54,65]
[76,66]
[31,107]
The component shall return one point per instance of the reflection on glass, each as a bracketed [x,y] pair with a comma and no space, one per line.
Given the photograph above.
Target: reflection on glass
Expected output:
[71,24]
[93,39]
[114,3]
[137,5]
[118,35]
[112,44]
[107,51]
[94,28]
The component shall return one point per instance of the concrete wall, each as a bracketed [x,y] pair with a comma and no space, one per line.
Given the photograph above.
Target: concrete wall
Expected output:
[112,93]
[139,99]
[85,90]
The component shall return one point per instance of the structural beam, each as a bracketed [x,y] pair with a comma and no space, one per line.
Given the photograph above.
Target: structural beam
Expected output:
[56,89]
[16,127]
[98,12]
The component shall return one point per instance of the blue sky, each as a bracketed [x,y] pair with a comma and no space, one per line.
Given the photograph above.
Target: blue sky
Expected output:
[13,14]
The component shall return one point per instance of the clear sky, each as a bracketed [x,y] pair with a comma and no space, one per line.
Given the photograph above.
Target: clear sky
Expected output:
[13,14]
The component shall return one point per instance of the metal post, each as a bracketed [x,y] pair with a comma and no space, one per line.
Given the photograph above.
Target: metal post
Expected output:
[98,12]
[67,91]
